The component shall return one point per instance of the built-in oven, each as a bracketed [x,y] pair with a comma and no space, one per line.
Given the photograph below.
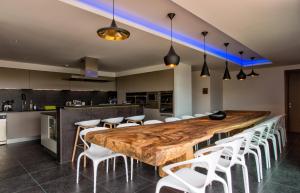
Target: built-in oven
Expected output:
[49,132]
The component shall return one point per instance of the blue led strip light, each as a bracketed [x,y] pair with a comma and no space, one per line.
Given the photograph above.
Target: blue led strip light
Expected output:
[165,31]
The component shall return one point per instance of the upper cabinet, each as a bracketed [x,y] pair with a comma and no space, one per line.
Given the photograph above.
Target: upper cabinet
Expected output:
[13,78]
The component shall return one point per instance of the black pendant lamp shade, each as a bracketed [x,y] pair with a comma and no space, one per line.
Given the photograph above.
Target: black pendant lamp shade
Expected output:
[205,70]
[252,73]
[226,73]
[241,75]
[113,32]
[171,59]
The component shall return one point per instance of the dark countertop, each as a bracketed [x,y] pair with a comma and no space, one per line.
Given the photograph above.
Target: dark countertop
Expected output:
[101,106]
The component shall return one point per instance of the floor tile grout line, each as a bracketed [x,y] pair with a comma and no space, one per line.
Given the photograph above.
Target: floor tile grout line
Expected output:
[32,177]
[285,185]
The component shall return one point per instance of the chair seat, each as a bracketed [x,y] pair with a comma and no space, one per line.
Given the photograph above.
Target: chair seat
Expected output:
[191,176]
[96,152]
[115,120]
[136,118]
[88,123]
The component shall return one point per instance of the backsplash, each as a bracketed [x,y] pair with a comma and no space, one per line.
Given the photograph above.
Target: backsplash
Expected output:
[53,97]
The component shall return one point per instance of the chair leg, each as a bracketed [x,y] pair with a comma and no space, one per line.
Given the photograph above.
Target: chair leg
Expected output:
[84,157]
[114,167]
[78,167]
[95,166]
[268,154]
[246,178]
[257,165]
[131,168]
[279,141]
[75,144]
[225,186]
[158,187]
[107,165]
[229,181]
[274,141]
[260,161]
[126,167]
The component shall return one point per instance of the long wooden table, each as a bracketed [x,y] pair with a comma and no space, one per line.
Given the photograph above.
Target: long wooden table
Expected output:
[161,144]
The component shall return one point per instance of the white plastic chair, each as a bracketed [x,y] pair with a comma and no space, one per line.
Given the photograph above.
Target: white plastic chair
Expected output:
[183,117]
[199,115]
[171,119]
[150,122]
[282,130]
[248,135]
[273,132]
[112,122]
[135,119]
[127,125]
[97,154]
[189,180]
[124,125]
[232,147]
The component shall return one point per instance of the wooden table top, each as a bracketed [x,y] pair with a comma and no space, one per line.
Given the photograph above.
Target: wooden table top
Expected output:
[159,143]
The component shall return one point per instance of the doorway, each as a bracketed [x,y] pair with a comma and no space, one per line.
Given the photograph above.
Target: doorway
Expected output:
[292,103]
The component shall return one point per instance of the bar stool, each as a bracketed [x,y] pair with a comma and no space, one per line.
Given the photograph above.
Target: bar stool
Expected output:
[81,126]
[135,119]
[112,122]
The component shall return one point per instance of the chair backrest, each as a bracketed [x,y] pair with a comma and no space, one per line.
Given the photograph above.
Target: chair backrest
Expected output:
[150,122]
[232,146]
[210,157]
[200,115]
[172,119]
[127,125]
[187,117]
[247,135]
[259,133]
[88,123]
[208,160]
[85,131]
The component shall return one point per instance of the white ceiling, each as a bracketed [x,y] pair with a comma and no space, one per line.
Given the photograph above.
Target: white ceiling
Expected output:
[270,27]
[54,33]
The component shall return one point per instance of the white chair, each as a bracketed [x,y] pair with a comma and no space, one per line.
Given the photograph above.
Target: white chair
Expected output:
[273,132]
[97,154]
[190,180]
[183,117]
[124,125]
[150,122]
[231,150]
[81,125]
[127,125]
[171,119]
[282,130]
[199,115]
[112,122]
[135,119]
[248,135]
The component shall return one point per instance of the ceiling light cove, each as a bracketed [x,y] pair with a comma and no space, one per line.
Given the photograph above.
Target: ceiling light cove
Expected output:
[162,31]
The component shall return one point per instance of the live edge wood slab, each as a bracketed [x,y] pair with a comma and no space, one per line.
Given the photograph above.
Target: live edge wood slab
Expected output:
[162,144]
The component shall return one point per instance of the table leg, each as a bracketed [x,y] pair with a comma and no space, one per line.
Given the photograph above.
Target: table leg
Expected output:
[187,156]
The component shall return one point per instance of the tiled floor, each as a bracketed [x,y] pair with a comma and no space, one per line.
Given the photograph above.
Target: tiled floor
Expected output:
[27,168]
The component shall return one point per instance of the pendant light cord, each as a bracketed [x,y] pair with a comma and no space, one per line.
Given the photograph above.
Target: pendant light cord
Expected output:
[226,57]
[113,9]
[171,31]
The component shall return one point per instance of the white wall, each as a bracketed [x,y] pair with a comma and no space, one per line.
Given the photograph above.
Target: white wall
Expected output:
[266,92]
[182,90]
[214,99]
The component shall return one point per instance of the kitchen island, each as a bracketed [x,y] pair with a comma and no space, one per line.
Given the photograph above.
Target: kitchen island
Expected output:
[67,116]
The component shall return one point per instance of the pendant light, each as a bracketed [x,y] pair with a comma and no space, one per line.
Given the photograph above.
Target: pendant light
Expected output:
[205,70]
[113,32]
[171,59]
[226,73]
[252,73]
[241,75]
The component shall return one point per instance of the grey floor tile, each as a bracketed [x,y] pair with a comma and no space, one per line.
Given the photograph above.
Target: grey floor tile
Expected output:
[15,184]
[34,189]
[275,187]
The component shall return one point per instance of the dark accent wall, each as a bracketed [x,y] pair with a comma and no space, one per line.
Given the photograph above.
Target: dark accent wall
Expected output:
[53,97]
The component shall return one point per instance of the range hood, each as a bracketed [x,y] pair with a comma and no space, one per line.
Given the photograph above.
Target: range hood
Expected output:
[90,72]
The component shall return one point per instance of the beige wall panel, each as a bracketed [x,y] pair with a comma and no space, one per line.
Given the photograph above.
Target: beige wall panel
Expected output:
[13,78]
